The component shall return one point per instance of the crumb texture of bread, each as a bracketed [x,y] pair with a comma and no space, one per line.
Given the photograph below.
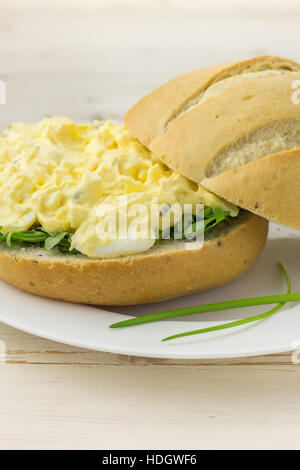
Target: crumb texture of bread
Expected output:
[166,271]
[268,187]
[271,139]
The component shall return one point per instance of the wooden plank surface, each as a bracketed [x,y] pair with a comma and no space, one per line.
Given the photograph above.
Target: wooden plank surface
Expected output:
[57,396]
[89,59]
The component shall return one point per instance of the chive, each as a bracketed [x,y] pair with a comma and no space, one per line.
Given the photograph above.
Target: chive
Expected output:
[46,239]
[244,321]
[214,307]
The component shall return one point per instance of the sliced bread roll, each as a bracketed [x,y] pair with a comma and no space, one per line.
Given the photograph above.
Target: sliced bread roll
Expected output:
[165,271]
[233,128]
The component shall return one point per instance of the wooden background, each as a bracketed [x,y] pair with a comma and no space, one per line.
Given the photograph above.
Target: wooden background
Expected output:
[87,59]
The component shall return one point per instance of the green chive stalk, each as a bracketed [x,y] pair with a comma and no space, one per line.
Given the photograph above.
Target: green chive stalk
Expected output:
[213,307]
[244,321]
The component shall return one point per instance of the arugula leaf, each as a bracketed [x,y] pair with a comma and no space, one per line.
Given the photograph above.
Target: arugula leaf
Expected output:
[53,241]
[29,236]
[42,237]
[211,218]
[62,241]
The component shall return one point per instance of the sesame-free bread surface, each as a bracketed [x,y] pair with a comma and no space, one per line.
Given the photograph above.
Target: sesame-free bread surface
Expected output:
[154,113]
[165,271]
[239,135]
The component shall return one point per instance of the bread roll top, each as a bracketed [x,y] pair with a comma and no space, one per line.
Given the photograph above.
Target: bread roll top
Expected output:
[214,124]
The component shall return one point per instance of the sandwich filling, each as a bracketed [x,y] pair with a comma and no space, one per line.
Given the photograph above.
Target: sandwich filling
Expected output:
[59,180]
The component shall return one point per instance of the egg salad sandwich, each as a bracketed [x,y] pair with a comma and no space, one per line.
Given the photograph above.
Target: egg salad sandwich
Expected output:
[226,138]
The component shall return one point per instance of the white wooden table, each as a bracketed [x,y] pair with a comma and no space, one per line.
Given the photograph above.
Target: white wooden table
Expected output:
[89,58]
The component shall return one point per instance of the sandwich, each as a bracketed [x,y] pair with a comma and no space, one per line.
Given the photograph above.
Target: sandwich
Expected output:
[198,140]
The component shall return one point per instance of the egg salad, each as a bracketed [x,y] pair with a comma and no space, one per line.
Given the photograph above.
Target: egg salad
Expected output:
[54,174]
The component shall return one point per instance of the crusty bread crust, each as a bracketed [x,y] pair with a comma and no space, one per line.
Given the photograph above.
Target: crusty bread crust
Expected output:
[269,187]
[152,114]
[242,143]
[194,142]
[159,274]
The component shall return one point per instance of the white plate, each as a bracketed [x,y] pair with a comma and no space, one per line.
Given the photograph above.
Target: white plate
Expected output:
[87,326]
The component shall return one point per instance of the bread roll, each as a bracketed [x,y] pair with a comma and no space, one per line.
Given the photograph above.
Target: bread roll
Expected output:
[235,129]
[165,271]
